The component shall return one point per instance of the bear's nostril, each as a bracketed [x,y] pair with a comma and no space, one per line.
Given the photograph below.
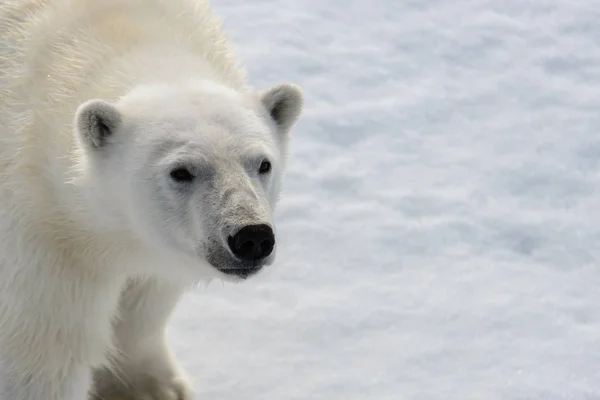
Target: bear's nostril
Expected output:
[266,246]
[252,242]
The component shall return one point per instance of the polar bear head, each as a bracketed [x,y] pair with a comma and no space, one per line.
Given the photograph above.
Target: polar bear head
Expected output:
[192,171]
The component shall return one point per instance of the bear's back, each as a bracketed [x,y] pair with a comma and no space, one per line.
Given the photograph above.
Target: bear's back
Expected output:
[51,49]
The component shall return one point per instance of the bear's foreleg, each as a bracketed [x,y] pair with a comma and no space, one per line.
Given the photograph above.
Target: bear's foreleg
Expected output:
[143,366]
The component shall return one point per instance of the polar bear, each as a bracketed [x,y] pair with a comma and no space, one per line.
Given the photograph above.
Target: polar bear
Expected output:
[135,161]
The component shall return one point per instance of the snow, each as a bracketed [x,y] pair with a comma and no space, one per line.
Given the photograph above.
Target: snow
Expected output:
[439,228]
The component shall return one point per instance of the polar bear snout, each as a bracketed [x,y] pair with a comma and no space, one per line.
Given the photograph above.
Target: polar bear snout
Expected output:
[252,243]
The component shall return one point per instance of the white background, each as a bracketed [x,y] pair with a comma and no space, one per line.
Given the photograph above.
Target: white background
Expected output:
[439,228]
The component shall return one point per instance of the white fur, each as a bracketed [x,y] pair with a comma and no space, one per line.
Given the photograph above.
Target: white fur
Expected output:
[98,100]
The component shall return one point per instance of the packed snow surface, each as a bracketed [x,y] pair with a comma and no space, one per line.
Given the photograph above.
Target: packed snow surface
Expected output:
[439,229]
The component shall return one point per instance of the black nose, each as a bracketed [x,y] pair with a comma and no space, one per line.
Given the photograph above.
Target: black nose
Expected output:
[252,242]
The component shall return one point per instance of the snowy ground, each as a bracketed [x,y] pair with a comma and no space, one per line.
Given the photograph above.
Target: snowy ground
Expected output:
[440,224]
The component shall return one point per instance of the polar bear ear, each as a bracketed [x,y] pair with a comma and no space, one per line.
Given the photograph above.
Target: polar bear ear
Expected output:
[96,121]
[284,102]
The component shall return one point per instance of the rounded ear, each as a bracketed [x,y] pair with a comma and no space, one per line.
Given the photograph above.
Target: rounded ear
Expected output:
[96,121]
[284,103]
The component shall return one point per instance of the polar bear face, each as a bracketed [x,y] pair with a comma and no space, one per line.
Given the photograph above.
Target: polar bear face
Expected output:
[192,171]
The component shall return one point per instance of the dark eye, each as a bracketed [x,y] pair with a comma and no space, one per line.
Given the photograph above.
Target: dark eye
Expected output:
[182,174]
[265,167]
